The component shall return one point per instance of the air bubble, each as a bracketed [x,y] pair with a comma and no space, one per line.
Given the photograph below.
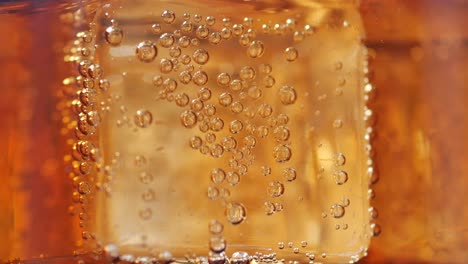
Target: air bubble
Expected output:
[281,245]
[95,71]
[186,26]
[169,85]
[226,33]
[188,119]
[214,38]
[237,29]
[84,188]
[113,35]
[146,178]
[146,51]
[217,151]
[247,73]
[85,168]
[93,118]
[341,177]
[156,28]
[217,176]
[185,77]
[215,227]
[165,65]
[168,16]
[262,131]
[88,97]
[202,32]
[195,42]
[337,211]
[148,195]
[157,80]
[143,118]
[340,159]
[237,107]
[250,141]
[289,174]
[182,99]
[279,207]
[235,126]
[184,42]
[265,110]
[223,79]
[83,67]
[216,124]
[233,178]
[282,153]
[209,110]
[165,257]
[217,244]
[166,40]
[281,133]
[104,85]
[268,81]
[236,85]
[290,54]
[212,193]
[197,18]
[298,36]
[287,95]
[200,78]
[235,213]
[196,105]
[204,94]
[303,244]
[275,189]
[225,99]
[269,208]
[229,143]
[254,92]
[255,49]
[337,123]
[200,56]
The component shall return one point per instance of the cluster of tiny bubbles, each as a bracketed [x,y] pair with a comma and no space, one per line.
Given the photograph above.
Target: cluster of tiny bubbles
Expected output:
[146,51]
[143,118]
[341,177]
[337,211]
[235,213]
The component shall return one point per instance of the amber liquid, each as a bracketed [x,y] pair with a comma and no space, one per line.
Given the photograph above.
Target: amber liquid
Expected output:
[152,173]
[419,70]
[418,63]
